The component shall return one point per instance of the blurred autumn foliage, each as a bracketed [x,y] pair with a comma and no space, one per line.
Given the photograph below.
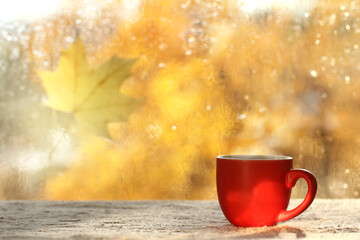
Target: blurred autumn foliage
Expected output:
[216,79]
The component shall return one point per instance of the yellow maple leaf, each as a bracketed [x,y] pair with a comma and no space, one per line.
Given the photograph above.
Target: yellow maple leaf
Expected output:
[92,95]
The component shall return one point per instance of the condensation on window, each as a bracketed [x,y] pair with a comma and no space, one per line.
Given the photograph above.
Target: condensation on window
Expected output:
[215,77]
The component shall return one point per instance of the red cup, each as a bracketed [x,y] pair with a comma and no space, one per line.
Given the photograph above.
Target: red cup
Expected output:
[254,190]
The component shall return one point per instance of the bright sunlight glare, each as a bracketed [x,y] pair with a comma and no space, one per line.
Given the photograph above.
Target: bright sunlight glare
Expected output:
[11,10]
[253,6]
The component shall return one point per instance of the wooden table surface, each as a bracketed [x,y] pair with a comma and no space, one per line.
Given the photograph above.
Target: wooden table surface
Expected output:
[325,219]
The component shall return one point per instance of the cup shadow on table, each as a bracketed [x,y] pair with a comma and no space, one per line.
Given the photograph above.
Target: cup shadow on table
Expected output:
[264,232]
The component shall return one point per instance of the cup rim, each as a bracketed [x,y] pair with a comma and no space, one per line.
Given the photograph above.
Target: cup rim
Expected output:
[254,157]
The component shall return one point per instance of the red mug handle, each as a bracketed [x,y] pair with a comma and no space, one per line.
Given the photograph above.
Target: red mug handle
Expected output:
[291,177]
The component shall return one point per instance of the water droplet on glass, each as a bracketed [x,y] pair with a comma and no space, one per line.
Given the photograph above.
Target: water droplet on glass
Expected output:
[262,109]
[347,171]
[191,39]
[163,46]
[342,7]
[38,28]
[356,46]
[347,80]
[44,99]
[346,14]
[306,14]
[69,39]
[173,127]
[78,21]
[345,186]
[38,53]
[185,4]
[188,52]
[313,73]
[317,41]
[347,27]
[8,38]
[14,54]
[332,62]
[161,65]
[332,19]
[242,116]
[208,107]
